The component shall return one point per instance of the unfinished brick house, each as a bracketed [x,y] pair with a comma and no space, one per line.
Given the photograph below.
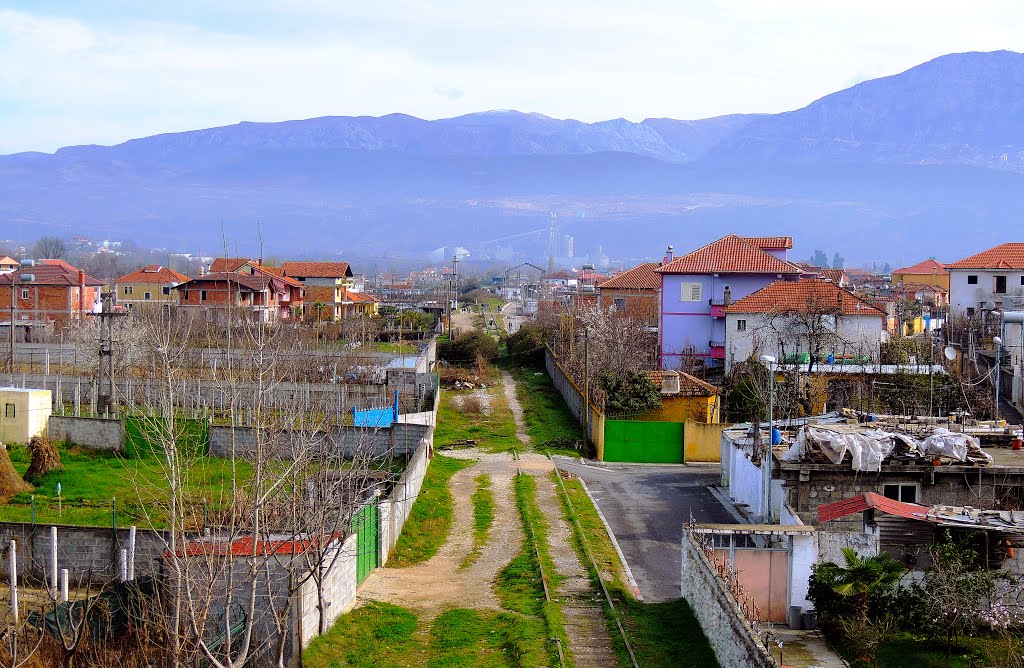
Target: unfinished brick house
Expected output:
[326,283]
[260,295]
[57,297]
[634,293]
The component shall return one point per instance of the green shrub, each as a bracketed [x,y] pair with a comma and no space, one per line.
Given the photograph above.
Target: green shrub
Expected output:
[466,349]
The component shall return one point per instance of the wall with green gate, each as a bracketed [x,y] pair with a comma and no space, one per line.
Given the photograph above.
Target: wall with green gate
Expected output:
[366,526]
[644,442]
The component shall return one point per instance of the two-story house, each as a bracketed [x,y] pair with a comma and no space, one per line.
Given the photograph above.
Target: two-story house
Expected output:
[696,288]
[634,293]
[290,292]
[995,275]
[235,294]
[153,284]
[925,272]
[52,294]
[795,321]
[7,264]
[327,285]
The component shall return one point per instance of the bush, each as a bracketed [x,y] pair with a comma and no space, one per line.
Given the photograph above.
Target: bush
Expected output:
[468,348]
[633,392]
[526,346]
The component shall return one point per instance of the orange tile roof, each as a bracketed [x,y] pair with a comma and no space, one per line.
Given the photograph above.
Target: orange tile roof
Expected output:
[153,274]
[834,275]
[229,263]
[800,296]
[1004,256]
[317,269]
[360,297]
[278,272]
[729,255]
[8,260]
[918,287]
[51,272]
[771,243]
[927,267]
[640,277]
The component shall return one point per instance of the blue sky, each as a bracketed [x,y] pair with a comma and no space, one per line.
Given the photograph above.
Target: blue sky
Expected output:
[103,71]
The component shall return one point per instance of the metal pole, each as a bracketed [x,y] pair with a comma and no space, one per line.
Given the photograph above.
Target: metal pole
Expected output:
[53,556]
[63,585]
[999,364]
[586,385]
[14,581]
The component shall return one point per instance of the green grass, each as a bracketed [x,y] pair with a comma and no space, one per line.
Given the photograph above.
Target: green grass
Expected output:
[493,431]
[922,653]
[483,517]
[661,634]
[379,635]
[392,347]
[90,479]
[428,525]
[548,421]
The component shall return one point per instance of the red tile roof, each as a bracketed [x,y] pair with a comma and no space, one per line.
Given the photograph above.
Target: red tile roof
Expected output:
[800,296]
[1004,256]
[52,272]
[640,277]
[153,273]
[729,255]
[906,288]
[255,282]
[278,272]
[771,243]
[360,297]
[243,547]
[229,263]
[317,269]
[690,386]
[927,267]
[834,275]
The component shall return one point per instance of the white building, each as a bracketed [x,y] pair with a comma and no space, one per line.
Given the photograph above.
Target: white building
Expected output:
[994,277]
[794,320]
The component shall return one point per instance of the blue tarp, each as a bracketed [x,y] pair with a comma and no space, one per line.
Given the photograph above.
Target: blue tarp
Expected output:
[377,418]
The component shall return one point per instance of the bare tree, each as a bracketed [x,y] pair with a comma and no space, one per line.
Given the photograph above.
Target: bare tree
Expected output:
[50,248]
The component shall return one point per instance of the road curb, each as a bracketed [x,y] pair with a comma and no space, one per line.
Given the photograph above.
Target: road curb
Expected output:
[625,565]
[727,503]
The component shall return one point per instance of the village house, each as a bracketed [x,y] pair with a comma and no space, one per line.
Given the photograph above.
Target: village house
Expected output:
[684,398]
[50,295]
[330,289]
[7,264]
[153,284]
[696,288]
[995,275]
[795,321]
[926,272]
[260,295]
[634,293]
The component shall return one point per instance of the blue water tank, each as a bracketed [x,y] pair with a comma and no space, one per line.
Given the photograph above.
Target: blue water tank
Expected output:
[776,436]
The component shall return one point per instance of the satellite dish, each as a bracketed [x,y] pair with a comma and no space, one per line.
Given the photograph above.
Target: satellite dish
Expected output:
[950,353]
[990,306]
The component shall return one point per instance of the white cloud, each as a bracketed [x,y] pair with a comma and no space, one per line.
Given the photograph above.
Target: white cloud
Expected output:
[67,79]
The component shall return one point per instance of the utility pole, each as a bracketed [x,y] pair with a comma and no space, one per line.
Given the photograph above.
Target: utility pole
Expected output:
[22,278]
[105,398]
[586,385]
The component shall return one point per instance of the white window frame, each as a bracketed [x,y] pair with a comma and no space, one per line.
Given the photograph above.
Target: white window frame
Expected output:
[741,325]
[691,292]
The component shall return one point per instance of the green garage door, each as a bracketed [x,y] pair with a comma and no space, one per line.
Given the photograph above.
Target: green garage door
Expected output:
[366,526]
[640,441]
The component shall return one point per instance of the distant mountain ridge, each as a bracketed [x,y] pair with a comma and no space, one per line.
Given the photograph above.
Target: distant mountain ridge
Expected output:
[931,148]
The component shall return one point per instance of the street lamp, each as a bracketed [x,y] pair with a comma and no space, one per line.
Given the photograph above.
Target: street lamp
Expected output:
[766,465]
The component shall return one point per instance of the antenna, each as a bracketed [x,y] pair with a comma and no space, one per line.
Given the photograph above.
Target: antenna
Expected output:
[949,352]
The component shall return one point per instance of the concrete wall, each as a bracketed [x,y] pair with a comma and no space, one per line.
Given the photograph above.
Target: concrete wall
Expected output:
[397,440]
[92,433]
[339,594]
[23,414]
[831,544]
[573,397]
[701,442]
[863,335]
[732,638]
[89,553]
[396,508]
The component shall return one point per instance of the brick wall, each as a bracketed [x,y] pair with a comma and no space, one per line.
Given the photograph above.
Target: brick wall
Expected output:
[58,304]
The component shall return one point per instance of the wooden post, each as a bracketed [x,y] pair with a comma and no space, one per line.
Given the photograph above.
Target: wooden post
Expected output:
[14,581]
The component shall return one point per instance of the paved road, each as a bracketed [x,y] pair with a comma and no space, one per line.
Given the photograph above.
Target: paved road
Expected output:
[646,507]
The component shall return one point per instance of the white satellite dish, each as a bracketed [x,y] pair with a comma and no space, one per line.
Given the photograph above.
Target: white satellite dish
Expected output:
[950,353]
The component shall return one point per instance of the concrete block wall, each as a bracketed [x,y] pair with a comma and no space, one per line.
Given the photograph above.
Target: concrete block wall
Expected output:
[396,508]
[732,638]
[339,594]
[396,440]
[92,433]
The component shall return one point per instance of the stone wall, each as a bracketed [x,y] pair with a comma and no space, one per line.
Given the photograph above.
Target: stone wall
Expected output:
[732,638]
[92,433]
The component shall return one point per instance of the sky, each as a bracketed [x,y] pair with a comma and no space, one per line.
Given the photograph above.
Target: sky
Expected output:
[104,71]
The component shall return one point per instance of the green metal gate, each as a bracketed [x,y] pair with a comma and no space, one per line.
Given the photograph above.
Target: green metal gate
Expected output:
[642,441]
[366,527]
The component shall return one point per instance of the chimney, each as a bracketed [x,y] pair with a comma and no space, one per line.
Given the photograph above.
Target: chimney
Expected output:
[668,254]
[727,296]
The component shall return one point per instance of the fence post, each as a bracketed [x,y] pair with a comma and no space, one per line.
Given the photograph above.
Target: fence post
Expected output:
[63,585]
[53,556]
[14,581]
[131,552]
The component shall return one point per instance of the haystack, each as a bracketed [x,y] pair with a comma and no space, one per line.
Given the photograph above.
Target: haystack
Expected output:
[10,482]
[45,458]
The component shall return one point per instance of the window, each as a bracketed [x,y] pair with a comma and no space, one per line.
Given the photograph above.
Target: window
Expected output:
[1000,285]
[970,312]
[741,325]
[167,290]
[185,295]
[690,292]
[905,492]
[8,410]
[202,295]
[24,293]
[619,303]
[128,289]
[972,280]
[147,296]
[1022,280]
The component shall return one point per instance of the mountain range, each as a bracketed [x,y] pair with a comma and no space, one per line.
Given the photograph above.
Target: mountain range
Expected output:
[929,162]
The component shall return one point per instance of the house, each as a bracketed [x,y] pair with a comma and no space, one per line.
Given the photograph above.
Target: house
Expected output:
[926,272]
[7,264]
[684,398]
[809,319]
[925,294]
[52,293]
[696,288]
[995,275]
[151,284]
[634,292]
[837,276]
[326,284]
[257,295]
[292,294]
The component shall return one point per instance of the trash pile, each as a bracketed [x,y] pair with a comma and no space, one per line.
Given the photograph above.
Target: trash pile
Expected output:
[868,448]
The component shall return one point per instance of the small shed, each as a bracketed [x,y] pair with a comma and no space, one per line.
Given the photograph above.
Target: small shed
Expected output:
[24,413]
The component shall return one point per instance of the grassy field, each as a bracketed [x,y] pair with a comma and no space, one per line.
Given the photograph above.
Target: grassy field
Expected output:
[91,480]
[548,421]
[661,634]
[922,653]
[483,517]
[493,430]
[379,635]
[428,525]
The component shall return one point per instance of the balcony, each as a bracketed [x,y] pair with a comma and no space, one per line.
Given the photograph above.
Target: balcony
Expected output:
[717,349]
